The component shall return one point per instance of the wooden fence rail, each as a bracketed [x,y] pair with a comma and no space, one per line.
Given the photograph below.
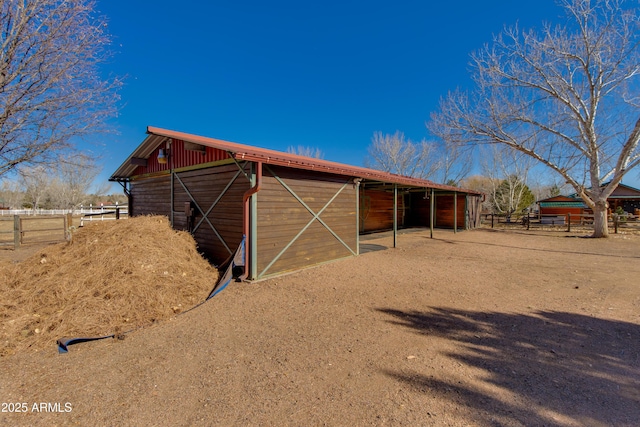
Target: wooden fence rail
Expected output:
[616,222]
[23,229]
[32,229]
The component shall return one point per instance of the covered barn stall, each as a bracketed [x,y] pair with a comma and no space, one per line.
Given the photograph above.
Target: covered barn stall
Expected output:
[292,211]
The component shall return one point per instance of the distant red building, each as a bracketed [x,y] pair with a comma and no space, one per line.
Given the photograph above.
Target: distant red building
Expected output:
[628,198]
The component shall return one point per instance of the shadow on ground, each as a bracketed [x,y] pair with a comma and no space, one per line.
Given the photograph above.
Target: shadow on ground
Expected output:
[370,247]
[544,250]
[558,368]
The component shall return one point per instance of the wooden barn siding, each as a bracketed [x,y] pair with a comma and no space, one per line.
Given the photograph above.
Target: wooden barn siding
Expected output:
[376,210]
[444,211]
[205,185]
[151,196]
[281,217]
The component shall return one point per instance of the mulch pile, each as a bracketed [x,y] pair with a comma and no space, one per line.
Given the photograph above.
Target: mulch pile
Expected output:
[114,276]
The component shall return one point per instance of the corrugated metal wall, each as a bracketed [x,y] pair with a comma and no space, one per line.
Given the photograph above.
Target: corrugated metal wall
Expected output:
[180,158]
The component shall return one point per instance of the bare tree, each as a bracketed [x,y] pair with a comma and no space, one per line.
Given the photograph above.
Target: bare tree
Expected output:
[567,95]
[36,183]
[508,172]
[455,163]
[306,151]
[75,176]
[11,196]
[395,154]
[50,88]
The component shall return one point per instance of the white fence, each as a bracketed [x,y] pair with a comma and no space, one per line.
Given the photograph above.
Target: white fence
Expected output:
[106,212]
[103,213]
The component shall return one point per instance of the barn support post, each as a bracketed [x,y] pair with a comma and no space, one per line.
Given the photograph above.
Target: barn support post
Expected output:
[127,193]
[253,223]
[466,212]
[357,183]
[455,211]
[432,212]
[171,174]
[250,223]
[395,214]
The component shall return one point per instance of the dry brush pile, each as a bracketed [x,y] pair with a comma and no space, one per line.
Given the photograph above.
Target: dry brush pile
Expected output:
[114,276]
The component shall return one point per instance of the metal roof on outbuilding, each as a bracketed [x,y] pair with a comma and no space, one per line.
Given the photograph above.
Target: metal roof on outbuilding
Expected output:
[576,204]
[158,136]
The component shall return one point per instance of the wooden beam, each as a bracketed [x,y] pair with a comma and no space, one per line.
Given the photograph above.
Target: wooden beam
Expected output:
[191,146]
[138,161]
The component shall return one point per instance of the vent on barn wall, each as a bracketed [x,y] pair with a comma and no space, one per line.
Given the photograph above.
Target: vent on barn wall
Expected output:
[190,146]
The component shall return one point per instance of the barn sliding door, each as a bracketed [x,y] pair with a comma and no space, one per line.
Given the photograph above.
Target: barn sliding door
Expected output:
[304,218]
[208,203]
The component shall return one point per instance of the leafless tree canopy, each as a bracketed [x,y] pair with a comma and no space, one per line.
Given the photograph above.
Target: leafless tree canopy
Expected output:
[567,95]
[51,90]
[447,164]
[63,184]
[305,151]
[505,169]
[75,175]
[395,154]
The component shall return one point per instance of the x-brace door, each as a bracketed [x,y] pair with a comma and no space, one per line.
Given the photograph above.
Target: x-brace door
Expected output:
[200,208]
[315,218]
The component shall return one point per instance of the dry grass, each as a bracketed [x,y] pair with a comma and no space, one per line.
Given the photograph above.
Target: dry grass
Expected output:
[114,276]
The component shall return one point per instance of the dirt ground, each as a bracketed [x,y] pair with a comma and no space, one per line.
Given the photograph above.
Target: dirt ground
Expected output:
[478,328]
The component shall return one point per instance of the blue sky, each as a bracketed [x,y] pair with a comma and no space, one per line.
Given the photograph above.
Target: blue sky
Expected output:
[281,73]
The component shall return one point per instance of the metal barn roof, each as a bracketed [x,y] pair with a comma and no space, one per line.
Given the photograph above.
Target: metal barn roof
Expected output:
[158,136]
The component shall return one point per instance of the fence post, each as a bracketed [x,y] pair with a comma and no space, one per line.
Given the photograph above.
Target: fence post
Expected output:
[491,220]
[17,232]
[68,223]
[615,224]
[117,212]
[569,222]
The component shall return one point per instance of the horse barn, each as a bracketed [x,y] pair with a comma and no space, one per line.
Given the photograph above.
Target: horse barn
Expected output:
[290,211]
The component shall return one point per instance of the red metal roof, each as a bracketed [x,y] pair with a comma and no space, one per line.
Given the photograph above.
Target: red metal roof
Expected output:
[157,136]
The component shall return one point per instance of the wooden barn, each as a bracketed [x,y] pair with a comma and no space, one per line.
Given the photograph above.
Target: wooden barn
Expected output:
[292,211]
[560,206]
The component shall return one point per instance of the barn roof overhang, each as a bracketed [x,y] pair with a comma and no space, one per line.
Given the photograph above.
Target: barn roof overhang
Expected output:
[371,177]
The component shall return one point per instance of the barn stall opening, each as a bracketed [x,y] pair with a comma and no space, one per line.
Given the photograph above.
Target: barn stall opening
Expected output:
[292,211]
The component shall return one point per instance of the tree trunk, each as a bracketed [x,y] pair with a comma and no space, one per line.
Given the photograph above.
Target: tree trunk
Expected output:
[600,225]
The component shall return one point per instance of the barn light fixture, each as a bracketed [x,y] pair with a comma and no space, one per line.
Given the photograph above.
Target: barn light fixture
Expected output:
[162,156]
